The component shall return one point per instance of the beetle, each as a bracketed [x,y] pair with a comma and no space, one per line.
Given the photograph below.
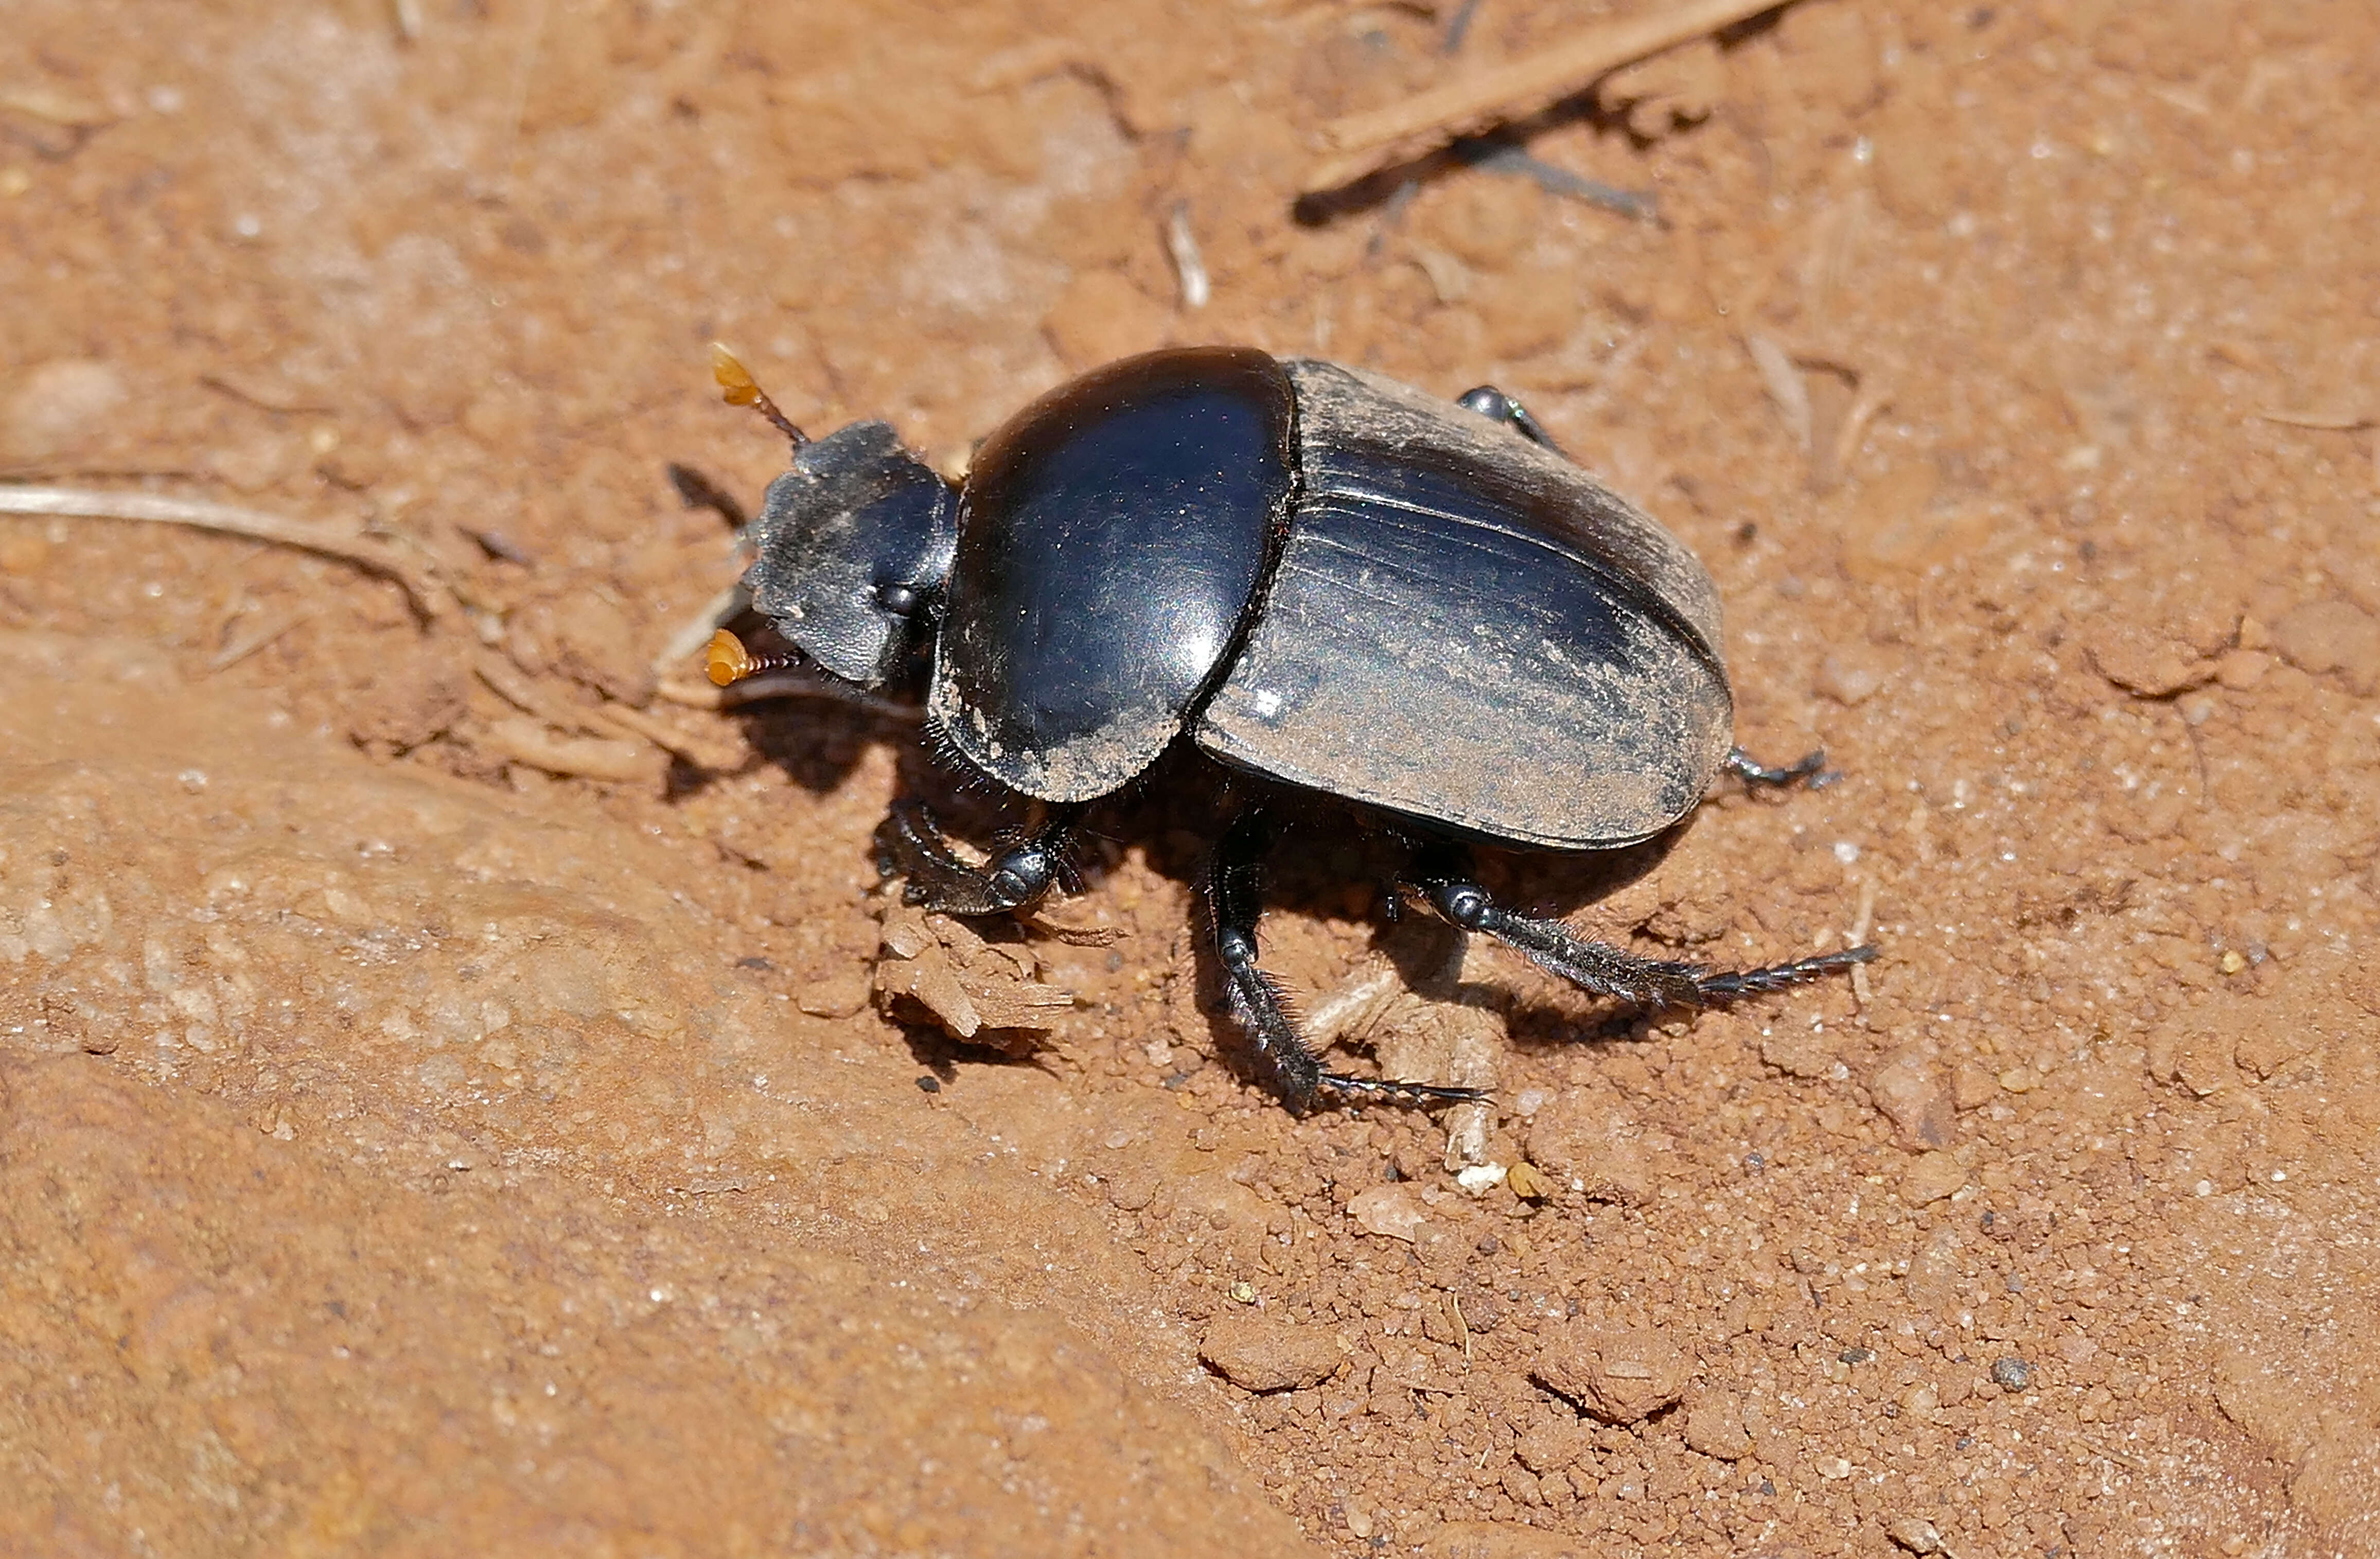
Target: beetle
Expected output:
[1323,580]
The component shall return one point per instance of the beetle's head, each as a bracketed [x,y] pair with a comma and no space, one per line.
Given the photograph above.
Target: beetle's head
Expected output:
[854,543]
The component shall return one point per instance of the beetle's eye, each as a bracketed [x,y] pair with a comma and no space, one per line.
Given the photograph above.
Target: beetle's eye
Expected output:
[899,600]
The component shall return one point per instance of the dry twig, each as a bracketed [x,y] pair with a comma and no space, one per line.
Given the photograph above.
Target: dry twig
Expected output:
[1365,143]
[2321,419]
[430,598]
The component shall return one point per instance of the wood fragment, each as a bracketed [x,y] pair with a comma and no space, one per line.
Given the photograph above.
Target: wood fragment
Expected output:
[629,721]
[1854,427]
[975,990]
[520,739]
[617,721]
[1074,935]
[430,598]
[1189,266]
[257,637]
[1365,143]
[1783,383]
[64,109]
[2321,421]
[262,400]
[513,686]
[1863,922]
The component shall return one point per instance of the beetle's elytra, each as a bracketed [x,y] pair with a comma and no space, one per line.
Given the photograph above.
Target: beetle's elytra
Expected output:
[1318,577]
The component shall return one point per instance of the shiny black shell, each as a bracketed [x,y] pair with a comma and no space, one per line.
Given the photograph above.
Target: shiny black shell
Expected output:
[1327,577]
[1112,538]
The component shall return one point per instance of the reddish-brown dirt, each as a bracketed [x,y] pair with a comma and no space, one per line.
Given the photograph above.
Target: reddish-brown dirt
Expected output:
[404,1150]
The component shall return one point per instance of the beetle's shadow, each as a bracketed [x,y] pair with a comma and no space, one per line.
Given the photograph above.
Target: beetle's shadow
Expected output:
[1324,847]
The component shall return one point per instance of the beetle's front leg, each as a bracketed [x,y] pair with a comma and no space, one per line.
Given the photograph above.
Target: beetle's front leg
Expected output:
[1017,877]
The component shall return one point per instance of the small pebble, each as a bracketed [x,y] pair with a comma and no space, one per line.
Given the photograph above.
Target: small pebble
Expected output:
[1259,1354]
[1916,1095]
[1931,1177]
[2331,635]
[59,407]
[1715,1425]
[1850,679]
[1552,1445]
[1481,1178]
[1623,1375]
[1392,1211]
[1530,1182]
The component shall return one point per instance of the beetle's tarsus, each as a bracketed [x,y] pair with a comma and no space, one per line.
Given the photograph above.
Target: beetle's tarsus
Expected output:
[1725,985]
[1402,1092]
[1017,878]
[1809,770]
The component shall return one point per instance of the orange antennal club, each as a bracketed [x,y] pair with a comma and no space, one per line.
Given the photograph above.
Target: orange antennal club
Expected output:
[737,386]
[728,662]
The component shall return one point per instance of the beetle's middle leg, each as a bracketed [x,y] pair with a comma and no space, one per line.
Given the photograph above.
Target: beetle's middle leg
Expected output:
[1498,407]
[1442,874]
[1236,903]
[1017,877]
[1810,769]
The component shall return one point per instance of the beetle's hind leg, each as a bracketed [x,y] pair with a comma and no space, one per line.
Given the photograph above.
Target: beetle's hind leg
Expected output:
[1236,903]
[1017,877]
[1443,876]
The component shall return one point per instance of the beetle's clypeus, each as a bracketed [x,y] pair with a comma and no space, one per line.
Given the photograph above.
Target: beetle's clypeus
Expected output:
[1312,573]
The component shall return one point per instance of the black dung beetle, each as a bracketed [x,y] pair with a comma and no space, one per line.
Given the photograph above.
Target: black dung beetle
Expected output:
[1313,574]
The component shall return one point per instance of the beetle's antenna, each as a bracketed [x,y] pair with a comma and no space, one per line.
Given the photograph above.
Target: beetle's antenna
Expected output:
[729,663]
[737,385]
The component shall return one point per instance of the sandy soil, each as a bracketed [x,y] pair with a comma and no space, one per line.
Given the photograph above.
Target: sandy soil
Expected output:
[403,1149]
